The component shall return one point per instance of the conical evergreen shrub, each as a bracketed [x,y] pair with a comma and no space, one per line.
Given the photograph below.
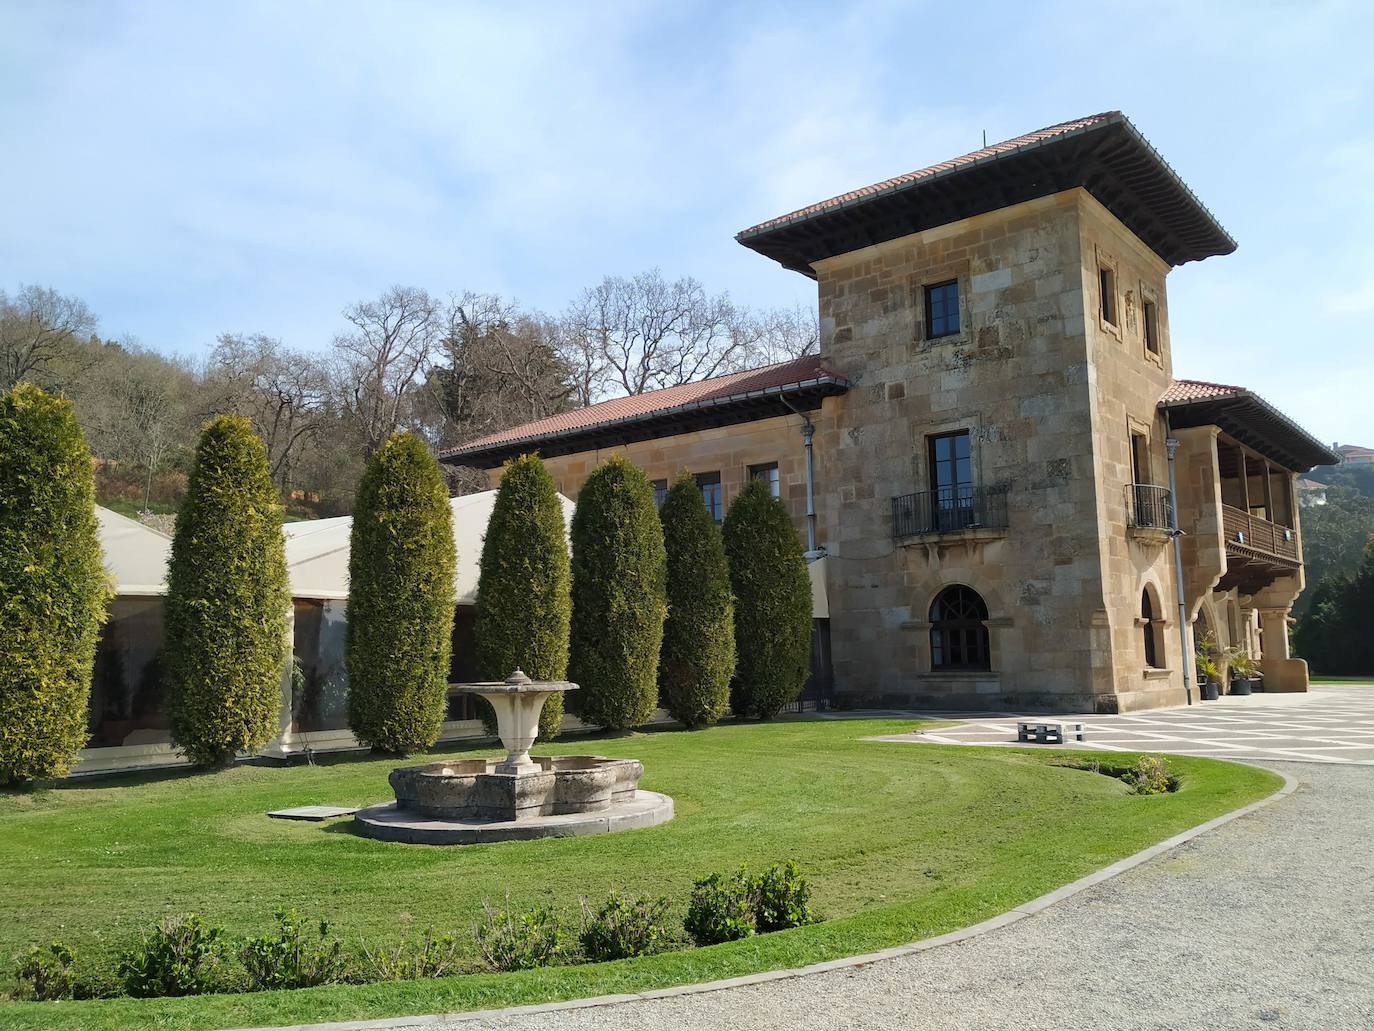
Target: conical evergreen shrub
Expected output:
[698,655]
[53,589]
[524,607]
[227,596]
[772,603]
[619,572]
[400,599]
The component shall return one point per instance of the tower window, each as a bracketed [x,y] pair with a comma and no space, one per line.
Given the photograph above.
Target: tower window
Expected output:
[1106,282]
[942,309]
[1150,320]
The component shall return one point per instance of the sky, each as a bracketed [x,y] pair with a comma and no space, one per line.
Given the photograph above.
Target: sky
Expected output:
[192,169]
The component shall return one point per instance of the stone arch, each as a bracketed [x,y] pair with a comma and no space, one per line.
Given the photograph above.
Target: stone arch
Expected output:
[1151,620]
[959,637]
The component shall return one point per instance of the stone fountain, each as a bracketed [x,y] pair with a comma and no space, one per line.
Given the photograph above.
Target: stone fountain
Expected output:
[519,797]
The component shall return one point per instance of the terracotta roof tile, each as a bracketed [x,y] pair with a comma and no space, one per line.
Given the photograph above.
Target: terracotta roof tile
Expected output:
[639,406]
[1197,390]
[1030,138]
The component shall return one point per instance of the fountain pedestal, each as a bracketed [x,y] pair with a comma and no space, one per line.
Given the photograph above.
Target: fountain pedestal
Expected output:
[520,796]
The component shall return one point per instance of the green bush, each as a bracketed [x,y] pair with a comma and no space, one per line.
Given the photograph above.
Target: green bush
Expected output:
[621,928]
[619,573]
[721,908]
[44,974]
[518,941]
[291,958]
[227,599]
[772,604]
[53,589]
[434,955]
[400,599]
[1151,775]
[524,607]
[181,956]
[782,898]
[698,655]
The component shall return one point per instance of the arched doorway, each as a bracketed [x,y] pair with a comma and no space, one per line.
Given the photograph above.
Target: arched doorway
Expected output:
[958,630]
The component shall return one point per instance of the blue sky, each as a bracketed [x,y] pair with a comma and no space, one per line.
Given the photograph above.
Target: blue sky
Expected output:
[190,169]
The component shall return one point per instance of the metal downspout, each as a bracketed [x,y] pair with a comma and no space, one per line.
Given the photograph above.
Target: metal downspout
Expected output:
[808,431]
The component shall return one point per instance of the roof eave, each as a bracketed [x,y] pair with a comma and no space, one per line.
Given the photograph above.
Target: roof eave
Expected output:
[1311,447]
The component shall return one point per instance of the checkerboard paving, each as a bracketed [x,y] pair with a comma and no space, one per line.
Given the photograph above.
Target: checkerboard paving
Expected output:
[1328,724]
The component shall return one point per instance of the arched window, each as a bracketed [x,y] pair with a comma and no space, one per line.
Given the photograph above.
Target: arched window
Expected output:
[958,635]
[1147,614]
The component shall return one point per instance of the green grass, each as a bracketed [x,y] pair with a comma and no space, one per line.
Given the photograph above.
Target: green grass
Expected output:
[901,842]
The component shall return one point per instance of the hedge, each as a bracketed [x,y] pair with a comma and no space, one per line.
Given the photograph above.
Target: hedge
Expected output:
[772,603]
[53,589]
[227,597]
[698,655]
[400,599]
[524,604]
[619,574]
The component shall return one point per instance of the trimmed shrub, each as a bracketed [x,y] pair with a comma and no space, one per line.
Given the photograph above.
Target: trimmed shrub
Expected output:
[518,941]
[524,604]
[44,974]
[180,956]
[619,574]
[698,654]
[291,958]
[227,598]
[772,603]
[721,908]
[782,898]
[400,599]
[53,589]
[621,928]
[434,955]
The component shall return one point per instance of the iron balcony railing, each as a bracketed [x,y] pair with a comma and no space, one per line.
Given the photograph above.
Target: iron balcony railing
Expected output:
[949,509]
[1149,507]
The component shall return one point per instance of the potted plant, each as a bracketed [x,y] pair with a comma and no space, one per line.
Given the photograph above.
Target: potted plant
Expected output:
[1245,673]
[1208,670]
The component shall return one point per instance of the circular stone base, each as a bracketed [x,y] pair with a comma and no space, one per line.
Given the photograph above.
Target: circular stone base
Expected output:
[387,822]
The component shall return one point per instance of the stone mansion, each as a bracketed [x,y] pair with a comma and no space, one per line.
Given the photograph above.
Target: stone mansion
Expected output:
[1008,500]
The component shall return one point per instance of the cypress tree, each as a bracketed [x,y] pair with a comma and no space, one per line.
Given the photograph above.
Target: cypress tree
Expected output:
[53,589]
[772,603]
[400,599]
[698,656]
[523,602]
[619,602]
[226,599]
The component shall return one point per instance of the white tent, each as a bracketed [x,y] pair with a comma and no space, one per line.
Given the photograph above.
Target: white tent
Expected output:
[317,550]
[135,555]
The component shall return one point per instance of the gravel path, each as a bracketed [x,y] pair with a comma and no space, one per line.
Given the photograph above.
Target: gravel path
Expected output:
[1267,922]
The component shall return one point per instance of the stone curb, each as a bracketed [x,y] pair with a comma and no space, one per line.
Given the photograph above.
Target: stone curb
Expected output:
[1011,916]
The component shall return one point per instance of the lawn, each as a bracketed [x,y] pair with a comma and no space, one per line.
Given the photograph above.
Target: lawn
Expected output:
[901,842]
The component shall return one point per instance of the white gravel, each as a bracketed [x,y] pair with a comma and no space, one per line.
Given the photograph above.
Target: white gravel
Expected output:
[1267,922]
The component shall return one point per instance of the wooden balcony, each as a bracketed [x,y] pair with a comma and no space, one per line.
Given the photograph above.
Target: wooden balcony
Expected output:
[1258,552]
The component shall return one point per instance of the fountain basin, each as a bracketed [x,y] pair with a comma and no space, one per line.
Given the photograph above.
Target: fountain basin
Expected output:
[478,789]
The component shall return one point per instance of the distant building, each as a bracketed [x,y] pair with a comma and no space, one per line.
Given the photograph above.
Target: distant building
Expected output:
[1310,492]
[1352,454]
[987,435]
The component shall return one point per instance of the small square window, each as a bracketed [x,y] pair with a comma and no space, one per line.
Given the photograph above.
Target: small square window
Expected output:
[660,491]
[711,494]
[942,309]
[1106,282]
[768,473]
[1150,321]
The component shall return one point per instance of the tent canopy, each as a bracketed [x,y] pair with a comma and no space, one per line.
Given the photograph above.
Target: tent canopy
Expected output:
[135,555]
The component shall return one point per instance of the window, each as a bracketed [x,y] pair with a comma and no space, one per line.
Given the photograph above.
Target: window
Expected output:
[710,491]
[1106,282]
[768,473]
[1140,459]
[1147,615]
[660,492]
[1149,318]
[958,633]
[951,481]
[942,309]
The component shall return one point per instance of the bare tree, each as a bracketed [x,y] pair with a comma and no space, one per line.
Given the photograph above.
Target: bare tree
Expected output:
[781,334]
[284,393]
[384,358]
[39,332]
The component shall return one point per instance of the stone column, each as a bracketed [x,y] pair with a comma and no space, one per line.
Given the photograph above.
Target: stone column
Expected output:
[1281,671]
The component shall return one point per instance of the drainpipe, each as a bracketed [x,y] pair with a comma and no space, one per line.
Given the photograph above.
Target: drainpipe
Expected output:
[1171,445]
[808,430]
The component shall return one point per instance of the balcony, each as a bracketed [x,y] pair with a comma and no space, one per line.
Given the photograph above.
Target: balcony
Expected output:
[1258,552]
[1149,512]
[952,510]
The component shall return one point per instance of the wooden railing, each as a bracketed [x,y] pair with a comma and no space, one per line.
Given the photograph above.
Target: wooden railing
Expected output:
[1258,534]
